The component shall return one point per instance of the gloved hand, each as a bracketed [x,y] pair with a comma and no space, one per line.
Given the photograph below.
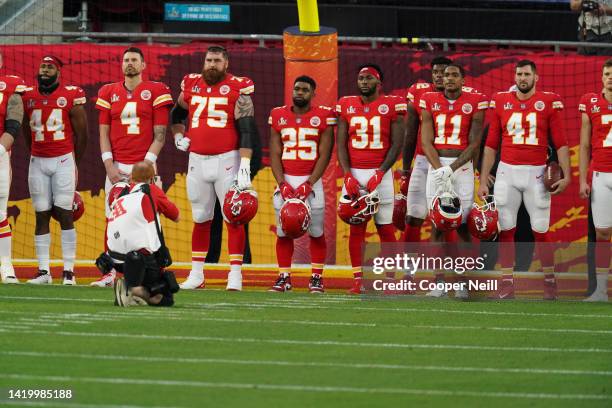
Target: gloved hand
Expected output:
[375,180]
[286,190]
[404,181]
[442,174]
[303,190]
[351,184]
[181,142]
[244,173]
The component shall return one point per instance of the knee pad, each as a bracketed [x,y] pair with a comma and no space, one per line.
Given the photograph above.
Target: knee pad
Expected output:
[105,263]
[134,268]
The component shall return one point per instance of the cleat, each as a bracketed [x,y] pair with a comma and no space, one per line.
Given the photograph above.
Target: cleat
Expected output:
[550,290]
[505,291]
[105,281]
[282,284]
[357,288]
[8,274]
[124,297]
[193,281]
[462,294]
[69,278]
[316,284]
[597,297]
[234,281]
[42,278]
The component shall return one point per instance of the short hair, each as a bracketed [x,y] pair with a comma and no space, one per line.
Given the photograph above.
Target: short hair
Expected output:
[136,50]
[607,64]
[376,67]
[459,67]
[306,79]
[218,49]
[526,62]
[441,61]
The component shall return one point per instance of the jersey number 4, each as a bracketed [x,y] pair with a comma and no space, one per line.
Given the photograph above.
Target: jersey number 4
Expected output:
[53,124]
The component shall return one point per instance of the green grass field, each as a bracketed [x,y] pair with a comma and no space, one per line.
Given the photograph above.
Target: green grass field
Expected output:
[259,349]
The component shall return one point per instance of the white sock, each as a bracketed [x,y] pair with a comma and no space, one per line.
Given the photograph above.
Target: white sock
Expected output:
[5,242]
[69,243]
[42,243]
[602,282]
[236,268]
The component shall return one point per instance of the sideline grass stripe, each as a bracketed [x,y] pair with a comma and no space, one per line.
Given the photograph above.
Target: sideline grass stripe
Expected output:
[314,342]
[533,329]
[317,364]
[309,388]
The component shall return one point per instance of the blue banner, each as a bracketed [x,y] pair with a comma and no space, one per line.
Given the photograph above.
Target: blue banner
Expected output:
[197,12]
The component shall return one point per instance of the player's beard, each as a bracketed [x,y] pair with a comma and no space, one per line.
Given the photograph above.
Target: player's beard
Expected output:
[525,90]
[131,72]
[213,76]
[45,83]
[300,102]
[369,92]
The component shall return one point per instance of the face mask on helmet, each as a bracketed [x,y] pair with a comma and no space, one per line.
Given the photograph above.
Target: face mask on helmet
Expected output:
[445,211]
[239,206]
[359,210]
[483,220]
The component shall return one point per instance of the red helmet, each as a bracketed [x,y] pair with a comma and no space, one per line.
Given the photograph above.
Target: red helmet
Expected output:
[399,212]
[78,208]
[116,191]
[239,206]
[483,220]
[359,210]
[294,218]
[445,211]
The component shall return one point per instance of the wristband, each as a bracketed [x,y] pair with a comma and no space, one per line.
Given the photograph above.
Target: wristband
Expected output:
[245,162]
[152,157]
[106,156]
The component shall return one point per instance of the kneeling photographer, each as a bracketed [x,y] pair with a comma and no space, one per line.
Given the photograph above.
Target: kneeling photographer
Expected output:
[136,242]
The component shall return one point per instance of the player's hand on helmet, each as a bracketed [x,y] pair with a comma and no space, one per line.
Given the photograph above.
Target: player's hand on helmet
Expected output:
[483,191]
[244,174]
[351,184]
[303,190]
[442,174]
[182,142]
[287,192]
[404,181]
[375,180]
[560,186]
[585,190]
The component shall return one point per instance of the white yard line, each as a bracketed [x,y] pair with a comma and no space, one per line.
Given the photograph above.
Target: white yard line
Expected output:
[307,388]
[533,329]
[317,364]
[314,342]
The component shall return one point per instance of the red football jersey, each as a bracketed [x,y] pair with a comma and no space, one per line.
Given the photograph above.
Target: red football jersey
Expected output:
[132,116]
[414,94]
[369,127]
[9,84]
[523,127]
[452,119]
[599,111]
[300,136]
[49,115]
[211,119]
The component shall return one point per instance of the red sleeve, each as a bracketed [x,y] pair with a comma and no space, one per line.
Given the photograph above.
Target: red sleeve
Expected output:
[160,116]
[163,204]
[557,129]
[147,211]
[162,96]
[103,101]
[104,117]
[582,105]
[272,120]
[339,108]
[494,134]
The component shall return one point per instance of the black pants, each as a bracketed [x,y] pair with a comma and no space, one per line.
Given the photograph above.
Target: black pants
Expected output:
[151,279]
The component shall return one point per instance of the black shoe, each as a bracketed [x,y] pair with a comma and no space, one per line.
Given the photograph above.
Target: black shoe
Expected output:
[316,284]
[282,284]
[69,279]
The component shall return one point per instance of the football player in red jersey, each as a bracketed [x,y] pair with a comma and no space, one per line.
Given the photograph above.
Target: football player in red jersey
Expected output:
[451,130]
[55,129]
[301,141]
[11,116]
[520,124]
[596,149]
[220,139]
[370,136]
[133,121]
[413,183]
